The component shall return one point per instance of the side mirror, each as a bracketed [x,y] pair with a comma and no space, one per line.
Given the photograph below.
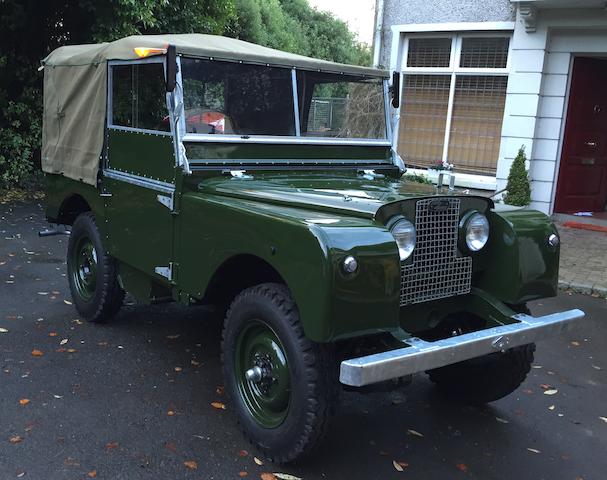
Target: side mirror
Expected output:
[171,71]
[395,89]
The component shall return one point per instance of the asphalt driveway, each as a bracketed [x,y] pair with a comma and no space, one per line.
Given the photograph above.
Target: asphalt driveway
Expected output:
[134,399]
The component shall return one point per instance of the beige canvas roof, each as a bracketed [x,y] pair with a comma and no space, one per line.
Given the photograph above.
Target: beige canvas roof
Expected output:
[75,94]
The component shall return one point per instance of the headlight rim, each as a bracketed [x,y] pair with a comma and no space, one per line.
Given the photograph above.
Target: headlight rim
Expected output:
[465,223]
[391,225]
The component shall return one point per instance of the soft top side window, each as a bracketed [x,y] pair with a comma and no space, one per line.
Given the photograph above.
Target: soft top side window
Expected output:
[239,99]
[138,97]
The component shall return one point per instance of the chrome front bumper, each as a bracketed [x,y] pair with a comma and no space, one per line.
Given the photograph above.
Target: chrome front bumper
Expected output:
[420,355]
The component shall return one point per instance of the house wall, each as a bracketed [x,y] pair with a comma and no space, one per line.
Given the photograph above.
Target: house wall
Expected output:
[405,12]
[536,101]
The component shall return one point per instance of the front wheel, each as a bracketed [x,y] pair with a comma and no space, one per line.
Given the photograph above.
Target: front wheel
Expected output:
[92,273]
[281,384]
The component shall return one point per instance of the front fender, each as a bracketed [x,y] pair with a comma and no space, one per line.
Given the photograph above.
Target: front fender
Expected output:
[520,265]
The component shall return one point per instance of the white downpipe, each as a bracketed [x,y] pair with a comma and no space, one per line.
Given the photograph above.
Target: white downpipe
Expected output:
[379,20]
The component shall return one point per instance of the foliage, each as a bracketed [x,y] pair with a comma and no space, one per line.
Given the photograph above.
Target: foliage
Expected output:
[417,178]
[519,190]
[32,29]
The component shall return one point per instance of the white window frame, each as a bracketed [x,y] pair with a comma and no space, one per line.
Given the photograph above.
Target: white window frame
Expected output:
[457,32]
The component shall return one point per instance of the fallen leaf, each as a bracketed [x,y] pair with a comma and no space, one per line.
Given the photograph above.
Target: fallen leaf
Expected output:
[172,337]
[575,344]
[37,353]
[67,302]
[462,466]
[219,390]
[71,350]
[58,396]
[63,342]
[170,413]
[501,420]
[243,453]
[286,476]
[545,386]
[15,439]
[551,407]
[218,405]
[191,464]
[415,432]
[52,334]
[551,392]
[257,461]
[268,476]
[533,450]
[111,445]
[397,466]
[596,367]
[178,369]
[242,474]
[603,418]
[24,401]
[42,293]
[92,474]
[195,363]
[3,330]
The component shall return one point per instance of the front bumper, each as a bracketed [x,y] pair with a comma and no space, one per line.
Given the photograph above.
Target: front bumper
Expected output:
[420,355]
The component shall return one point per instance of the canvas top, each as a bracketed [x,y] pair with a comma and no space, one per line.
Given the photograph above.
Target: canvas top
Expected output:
[198,45]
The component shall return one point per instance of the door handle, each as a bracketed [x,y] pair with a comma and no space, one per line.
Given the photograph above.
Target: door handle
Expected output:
[590,144]
[588,161]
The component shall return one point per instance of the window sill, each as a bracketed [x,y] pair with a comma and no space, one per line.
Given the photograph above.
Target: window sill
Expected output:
[463,180]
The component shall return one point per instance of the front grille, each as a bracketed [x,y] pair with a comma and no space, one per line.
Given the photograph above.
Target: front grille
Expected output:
[436,270]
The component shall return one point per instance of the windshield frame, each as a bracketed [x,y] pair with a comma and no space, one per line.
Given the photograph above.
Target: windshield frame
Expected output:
[289,139]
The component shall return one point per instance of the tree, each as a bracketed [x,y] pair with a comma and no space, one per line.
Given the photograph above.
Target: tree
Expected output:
[519,190]
[32,29]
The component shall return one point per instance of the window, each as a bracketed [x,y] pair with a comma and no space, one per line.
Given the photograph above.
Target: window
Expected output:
[138,96]
[453,96]
[340,106]
[233,98]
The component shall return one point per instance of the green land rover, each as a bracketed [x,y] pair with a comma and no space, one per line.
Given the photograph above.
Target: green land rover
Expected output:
[206,170]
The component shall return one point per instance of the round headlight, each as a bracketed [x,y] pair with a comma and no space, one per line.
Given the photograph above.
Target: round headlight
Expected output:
[403,232]
[477,232]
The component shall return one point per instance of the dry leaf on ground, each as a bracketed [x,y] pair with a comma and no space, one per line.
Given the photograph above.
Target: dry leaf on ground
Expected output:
[191,464]
[242,474]
[243,453]
[170,413]
[3,330]
[218,405]
[268,476]
[533,450]
[63,342]
[92,474]
[397,466]
[67,302]
[501,420]
[15,439]
[551,392]
[462,466]
[52,334]
[415,432]
[178,369]
[37,353]
[286,476]
[111,445]
[603,418]
[172,337]
[257,461]
[24,401]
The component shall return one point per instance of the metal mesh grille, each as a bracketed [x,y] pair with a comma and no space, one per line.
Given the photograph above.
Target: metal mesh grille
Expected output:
[429,52]
[485,52]
[436,271]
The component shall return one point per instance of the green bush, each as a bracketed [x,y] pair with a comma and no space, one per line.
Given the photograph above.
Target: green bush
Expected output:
[417,178]
[519,190]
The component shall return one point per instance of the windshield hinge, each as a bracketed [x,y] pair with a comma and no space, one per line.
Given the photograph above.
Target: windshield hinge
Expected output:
[370,174]
[236,173]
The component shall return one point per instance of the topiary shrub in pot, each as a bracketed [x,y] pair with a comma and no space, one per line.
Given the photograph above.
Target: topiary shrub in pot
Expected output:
[518,188]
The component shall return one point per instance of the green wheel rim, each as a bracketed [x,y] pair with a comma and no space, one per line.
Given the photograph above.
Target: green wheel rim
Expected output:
[84,268]
[259,352]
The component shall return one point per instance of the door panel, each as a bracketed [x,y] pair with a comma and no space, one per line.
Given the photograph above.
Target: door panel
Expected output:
[582,182]
[139,225]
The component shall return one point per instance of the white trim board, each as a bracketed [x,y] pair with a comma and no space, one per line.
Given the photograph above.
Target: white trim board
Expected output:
[452,27]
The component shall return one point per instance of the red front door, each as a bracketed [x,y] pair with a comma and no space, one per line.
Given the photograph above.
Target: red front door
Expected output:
[582,182]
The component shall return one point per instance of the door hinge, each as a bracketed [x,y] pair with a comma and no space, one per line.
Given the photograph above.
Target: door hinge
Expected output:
[166,272]
[166,200]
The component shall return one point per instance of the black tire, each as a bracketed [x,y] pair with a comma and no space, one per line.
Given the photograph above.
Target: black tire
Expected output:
[485,379]
[313,386]
[106,296]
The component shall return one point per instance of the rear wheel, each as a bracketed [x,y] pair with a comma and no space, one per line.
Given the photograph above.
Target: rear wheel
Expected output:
[281,384]
[92,273]
[488,378]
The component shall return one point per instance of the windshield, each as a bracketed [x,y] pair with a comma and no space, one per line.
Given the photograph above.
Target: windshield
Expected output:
[228,98]
[341,106]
